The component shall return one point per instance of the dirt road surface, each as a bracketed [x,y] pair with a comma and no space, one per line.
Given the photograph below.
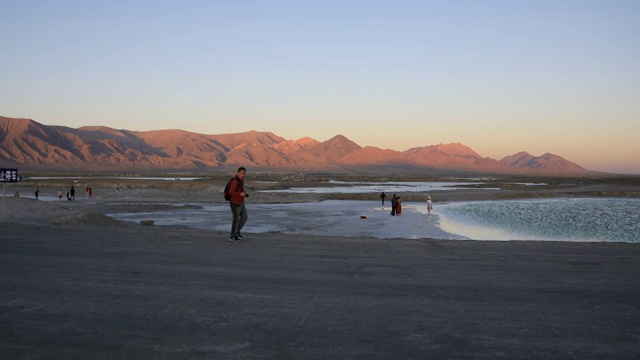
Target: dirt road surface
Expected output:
[121,291]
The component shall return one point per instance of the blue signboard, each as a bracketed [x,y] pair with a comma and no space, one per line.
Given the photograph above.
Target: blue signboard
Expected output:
[8,175]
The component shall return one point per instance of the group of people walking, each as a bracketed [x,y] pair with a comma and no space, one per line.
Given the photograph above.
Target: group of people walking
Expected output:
[71,194]
[396,204]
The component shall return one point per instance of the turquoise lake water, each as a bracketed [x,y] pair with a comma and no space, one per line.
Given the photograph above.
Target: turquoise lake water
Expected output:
[584,219]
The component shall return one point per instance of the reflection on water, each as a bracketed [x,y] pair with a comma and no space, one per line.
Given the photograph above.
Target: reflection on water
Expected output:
[550,219]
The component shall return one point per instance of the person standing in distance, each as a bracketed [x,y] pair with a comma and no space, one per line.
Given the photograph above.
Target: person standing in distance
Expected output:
[239,212]
[394,205]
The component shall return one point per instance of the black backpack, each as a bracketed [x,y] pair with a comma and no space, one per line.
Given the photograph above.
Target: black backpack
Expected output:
[227,195]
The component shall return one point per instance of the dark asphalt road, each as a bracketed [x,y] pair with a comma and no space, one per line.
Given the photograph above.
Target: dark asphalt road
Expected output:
[134,292]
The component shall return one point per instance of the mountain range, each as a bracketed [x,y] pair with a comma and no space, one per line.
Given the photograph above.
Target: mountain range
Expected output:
[28,144]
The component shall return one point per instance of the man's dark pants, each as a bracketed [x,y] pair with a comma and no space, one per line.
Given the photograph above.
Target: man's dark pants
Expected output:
[239,218]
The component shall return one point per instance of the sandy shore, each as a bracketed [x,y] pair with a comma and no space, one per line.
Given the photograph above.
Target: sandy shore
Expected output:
[77,284]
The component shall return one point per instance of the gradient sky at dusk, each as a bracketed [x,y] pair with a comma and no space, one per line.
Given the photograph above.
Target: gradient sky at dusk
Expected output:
[498,76]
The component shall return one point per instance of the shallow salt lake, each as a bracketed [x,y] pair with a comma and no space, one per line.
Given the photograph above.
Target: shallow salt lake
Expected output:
[344,187]
[593,219]
[331,218]
[568,219]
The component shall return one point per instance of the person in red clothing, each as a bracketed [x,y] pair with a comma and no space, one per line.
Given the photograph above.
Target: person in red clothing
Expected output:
[239,212]
[399,206]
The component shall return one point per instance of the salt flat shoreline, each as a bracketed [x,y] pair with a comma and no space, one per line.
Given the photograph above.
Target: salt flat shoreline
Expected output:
[78,284]
[134,195]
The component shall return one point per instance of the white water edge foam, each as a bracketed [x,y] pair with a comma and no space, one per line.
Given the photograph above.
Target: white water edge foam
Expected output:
[476,232]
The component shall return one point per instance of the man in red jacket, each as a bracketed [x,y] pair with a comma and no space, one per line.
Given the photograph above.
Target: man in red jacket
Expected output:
[236,189]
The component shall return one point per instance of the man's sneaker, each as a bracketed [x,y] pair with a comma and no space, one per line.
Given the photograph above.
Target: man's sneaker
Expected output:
[234,239]
[239,236]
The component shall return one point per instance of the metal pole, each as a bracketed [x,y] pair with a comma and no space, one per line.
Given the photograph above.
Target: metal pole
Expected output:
[4,187]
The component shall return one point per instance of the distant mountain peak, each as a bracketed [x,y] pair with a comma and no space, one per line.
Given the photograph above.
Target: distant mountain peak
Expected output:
[546,163]
[334,148]
[522,153]
[307,141]
[456,149]
[340,139]
[11,124]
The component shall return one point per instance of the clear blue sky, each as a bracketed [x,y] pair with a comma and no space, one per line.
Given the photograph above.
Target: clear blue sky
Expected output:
[498,76]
